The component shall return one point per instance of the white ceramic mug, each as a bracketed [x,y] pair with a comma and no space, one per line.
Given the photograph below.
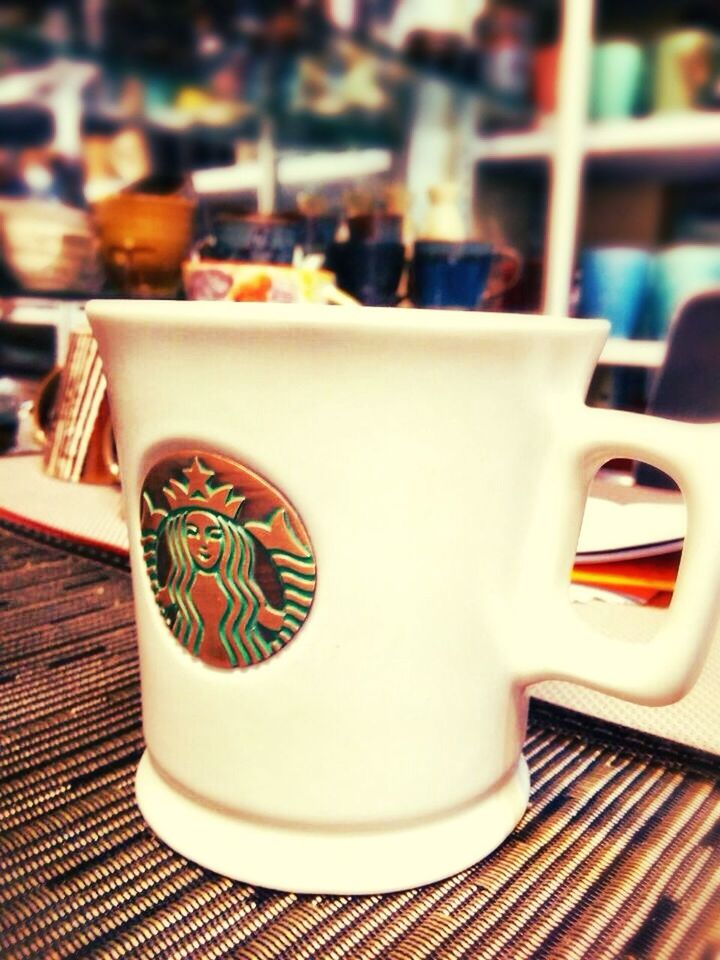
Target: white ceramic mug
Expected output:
[333,668]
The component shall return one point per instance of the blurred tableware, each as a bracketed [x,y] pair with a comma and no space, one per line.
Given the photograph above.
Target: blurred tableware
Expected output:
[439,50]
[525,295]
[259,282]
[25,125]
[679,272]
[318,222]
[505,32]
[73,418]
[444,220]
[618,79]
[317,233]
[9,420]
[544,77]
[254,238]
[446,273]
[25,129]
[696,219]
[683,69]
[375,227]
[614,283]
[49,247]
[368,270]
[145,238]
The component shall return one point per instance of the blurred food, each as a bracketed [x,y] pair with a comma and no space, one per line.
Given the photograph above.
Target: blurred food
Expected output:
[48,246]
[258,282]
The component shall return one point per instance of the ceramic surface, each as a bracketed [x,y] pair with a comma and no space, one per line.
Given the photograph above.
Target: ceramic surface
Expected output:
[433,467]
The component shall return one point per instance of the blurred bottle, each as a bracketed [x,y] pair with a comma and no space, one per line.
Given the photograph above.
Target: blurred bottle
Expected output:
[444,220]
[504,33]
[545,61]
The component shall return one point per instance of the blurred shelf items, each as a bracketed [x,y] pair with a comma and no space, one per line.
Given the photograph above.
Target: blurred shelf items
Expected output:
[556,156]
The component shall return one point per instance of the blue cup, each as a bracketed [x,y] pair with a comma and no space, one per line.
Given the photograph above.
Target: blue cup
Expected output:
[254,239]
[455,274]
[680,272]
[614,283]
[317,232]
[368,270]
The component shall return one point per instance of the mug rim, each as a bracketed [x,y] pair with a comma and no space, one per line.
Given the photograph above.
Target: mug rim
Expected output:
[363,243]
[312,317]
[158,199]
[688,245]
[617,248]
[466,248]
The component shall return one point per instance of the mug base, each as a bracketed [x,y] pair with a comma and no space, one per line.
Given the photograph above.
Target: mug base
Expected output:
[309,859]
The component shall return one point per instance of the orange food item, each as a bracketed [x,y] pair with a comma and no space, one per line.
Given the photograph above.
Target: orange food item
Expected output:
[254,289]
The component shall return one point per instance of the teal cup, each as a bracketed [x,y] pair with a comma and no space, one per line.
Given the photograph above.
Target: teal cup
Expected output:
[619,75]
[679,272]
[614,283]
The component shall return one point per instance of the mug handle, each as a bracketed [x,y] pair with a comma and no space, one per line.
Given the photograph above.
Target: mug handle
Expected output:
[497,284]
[662,670]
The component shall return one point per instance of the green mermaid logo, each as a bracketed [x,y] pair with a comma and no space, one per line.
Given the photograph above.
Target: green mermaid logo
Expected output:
[233,591]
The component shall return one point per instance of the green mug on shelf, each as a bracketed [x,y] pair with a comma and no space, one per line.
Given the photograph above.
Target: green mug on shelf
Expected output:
[618,79]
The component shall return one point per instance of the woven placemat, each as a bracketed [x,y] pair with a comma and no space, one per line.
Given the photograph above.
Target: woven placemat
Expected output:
[617,856]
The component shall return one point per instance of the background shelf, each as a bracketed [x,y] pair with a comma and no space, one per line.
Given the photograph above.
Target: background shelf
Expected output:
[670,144]
[535,144]
[633,353]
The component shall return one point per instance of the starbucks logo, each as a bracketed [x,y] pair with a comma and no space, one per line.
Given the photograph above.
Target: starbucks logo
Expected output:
[229,560]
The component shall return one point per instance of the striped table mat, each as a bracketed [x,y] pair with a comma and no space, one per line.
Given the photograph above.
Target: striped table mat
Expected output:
[618,855]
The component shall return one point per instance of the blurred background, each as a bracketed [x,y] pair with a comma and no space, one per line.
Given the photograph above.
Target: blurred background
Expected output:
[516,155]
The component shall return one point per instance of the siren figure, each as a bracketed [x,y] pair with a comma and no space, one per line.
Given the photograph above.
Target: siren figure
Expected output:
[210,595]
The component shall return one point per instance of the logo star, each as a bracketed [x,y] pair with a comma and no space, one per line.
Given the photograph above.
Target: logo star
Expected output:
[197,476]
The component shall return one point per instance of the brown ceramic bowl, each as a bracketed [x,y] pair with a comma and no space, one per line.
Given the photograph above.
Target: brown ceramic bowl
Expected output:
[144,239]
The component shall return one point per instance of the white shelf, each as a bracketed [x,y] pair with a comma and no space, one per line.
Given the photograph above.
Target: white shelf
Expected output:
[656,134]
[633,353]
[322,167]
[659,138]
[536,144]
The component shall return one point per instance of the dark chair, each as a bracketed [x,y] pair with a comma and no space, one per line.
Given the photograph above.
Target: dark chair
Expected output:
[687,385]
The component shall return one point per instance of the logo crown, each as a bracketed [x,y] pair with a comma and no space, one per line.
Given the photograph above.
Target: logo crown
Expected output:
[199,494]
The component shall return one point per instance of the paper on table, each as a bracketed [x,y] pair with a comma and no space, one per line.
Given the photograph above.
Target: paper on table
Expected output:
[615,530]
[582,593]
